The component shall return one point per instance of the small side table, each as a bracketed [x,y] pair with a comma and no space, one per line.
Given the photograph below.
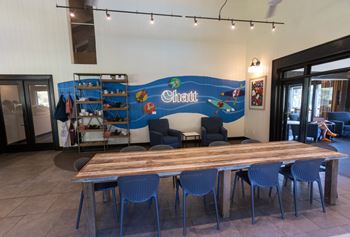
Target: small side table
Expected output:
[191,136]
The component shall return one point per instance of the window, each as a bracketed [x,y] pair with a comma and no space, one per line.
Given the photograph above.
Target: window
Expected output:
[343,63]
[293,73]
[83,33]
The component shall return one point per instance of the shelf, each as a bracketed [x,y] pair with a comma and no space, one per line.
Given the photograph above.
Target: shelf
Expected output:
[91,130]
[89,102]
[87,116]
[89,87]
[92,143]
[115,123]
[119,136]
[114,81]
[115,95]
[118,109]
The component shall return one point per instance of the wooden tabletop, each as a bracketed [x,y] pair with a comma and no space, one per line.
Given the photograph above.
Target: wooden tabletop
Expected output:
[109,166]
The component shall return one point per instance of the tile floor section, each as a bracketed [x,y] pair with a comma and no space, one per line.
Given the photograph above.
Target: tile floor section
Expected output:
[38,199]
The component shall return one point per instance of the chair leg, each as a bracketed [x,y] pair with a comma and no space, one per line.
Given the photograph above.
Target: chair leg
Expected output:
[121,216]
[218,186]
[234,188]
[270,192]
[177,199]
[114,198]
[184,214]
[157,215]
[79,209]
[252,188]
[295,197]
[242,186]
[285,181]
[321,195]
[174,181]
[258,193]
[216,211]
[311,192]
[279,200]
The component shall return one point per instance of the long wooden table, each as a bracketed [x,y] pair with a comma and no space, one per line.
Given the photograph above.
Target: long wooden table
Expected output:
[109,166]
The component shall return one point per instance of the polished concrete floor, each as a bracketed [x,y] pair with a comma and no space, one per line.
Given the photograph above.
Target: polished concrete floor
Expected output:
[38,199]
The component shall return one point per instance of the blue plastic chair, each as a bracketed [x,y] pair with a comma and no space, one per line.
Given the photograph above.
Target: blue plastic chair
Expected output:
[261,176]
[305,171]
[78,165]
[137,189]
[197,183]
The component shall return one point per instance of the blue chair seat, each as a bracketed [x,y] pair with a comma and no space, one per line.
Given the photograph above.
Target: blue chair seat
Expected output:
[347,128]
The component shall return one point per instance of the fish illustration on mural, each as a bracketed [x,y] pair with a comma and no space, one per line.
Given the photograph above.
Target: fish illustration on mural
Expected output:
[222,105]
[149,108]
[233,93]
[174,83]
[141,96]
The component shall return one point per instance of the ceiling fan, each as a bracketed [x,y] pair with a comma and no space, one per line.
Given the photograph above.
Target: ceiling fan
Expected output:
[272,5]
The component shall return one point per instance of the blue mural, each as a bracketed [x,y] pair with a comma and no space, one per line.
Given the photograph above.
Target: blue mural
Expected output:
[185,94]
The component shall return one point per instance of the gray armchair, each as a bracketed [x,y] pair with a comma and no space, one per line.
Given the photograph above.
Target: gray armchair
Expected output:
[212,130]
[160,133]
[342,122]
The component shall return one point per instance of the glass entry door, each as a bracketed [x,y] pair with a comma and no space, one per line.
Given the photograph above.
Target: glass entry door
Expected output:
[26,115]
[13,114]
[292,111]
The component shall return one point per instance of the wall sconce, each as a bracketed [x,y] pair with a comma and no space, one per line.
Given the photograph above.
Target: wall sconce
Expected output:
[255,66]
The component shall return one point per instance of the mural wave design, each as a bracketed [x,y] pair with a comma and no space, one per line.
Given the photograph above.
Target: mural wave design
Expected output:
[185,94]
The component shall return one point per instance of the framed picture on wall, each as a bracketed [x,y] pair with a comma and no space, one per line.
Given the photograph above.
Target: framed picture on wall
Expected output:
[257,93]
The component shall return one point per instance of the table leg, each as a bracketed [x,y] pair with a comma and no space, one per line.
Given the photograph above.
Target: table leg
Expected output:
[225,193]
[90,208]
[331,182]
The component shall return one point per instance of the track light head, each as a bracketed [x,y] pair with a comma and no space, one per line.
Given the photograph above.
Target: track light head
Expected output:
[152,19]
[273,27]
[72,14]
[233,25]
[108,16]
[252,26]
[195,21]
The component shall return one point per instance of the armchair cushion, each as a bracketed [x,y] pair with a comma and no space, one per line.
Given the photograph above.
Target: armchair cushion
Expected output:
[215,137]
[169,140]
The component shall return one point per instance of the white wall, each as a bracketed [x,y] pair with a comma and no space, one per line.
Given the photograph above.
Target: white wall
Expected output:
[35,40]
[308,23]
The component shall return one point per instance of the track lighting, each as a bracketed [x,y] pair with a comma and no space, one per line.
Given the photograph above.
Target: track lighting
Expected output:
[255,66]
[252,25]
[152,19]
[195,21]
[273,27]
[233,21]
[233,25]
[108,16]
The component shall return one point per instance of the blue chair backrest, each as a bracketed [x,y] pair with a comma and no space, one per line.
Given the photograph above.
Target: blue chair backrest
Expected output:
[249,141]
[264,175]
[212,124]
[132,149]
[219,143]
[307,170]
[341,116]
[138,188]
[159,125]
[161,147]
[199,182]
